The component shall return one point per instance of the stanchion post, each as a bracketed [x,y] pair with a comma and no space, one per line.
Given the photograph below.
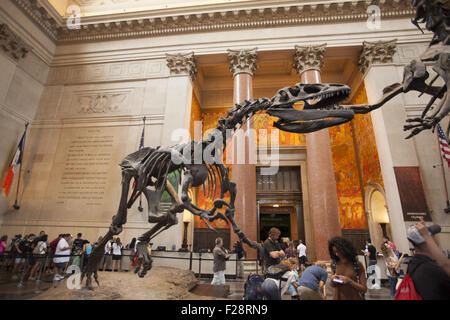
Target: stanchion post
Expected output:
[81,261]
[199,265]
[37,288]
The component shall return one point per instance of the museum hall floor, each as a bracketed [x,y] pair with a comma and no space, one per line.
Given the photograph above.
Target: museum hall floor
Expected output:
[9,289]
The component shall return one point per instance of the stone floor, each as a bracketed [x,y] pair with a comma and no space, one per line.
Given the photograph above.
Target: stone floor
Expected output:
[9,289]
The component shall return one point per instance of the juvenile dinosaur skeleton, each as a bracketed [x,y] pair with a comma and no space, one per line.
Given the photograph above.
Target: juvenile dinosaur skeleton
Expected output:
[436,16]
[150,167]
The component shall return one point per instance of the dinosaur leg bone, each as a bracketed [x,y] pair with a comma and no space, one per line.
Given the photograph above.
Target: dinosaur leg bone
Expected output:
[116,227]
[165,222]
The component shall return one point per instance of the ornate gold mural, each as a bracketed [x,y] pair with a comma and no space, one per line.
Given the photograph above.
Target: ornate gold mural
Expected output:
[209,121]
[351,205]
[353,145]
[366,144]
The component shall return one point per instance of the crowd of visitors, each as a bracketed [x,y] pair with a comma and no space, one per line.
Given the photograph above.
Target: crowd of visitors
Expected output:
[284,264]
[427,273]
[32,255]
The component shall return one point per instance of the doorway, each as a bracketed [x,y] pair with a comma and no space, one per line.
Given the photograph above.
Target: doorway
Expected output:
[379,223]
[280,204]
[279,217]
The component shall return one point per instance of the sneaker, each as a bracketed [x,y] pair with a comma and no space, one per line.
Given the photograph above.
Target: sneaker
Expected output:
[58,277]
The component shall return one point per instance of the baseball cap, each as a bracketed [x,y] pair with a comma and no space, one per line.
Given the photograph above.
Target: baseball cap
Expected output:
[415,236]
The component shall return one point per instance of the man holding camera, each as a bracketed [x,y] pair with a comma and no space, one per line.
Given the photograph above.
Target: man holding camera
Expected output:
[429,267]
[272,250]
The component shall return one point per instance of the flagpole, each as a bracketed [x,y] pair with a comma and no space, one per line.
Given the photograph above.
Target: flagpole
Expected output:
[447,209]
[140,208]
[16,205]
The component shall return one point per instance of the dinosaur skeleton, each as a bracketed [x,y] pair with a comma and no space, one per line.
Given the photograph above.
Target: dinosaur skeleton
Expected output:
[150,167]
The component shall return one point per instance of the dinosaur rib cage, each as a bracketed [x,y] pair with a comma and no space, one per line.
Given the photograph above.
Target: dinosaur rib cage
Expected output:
[149,167]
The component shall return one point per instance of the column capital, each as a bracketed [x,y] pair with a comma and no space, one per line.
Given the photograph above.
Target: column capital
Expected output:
[376,52]
[182,64]
[12,44]
[242,61]
[308,58]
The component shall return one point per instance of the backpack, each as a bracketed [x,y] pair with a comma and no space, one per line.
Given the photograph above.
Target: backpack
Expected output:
[54,244]
[406,290]
[239,250]
[276,272]
[36,248]
[252,287]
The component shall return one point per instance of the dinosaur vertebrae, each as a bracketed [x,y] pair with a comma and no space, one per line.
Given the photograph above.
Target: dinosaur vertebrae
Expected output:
[234,118]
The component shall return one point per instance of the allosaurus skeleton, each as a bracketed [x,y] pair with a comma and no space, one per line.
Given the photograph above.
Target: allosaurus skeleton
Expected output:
[150,167]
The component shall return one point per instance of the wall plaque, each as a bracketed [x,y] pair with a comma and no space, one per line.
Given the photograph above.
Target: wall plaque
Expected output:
[412,195]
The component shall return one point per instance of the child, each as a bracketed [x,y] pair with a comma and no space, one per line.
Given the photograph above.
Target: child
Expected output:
[76,259]
[294,282]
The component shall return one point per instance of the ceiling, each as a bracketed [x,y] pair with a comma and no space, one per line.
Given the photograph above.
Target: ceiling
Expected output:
[214,83]
[274,68]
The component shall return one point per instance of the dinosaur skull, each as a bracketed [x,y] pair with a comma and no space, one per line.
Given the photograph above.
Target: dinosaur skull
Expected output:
[320,107]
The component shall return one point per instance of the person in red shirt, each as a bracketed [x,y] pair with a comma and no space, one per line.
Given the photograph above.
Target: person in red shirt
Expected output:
[53,246]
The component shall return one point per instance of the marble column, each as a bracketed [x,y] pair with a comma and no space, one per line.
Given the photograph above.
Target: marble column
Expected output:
[376,63]
[177,115]
[179,94]
[323,201]
[242,65]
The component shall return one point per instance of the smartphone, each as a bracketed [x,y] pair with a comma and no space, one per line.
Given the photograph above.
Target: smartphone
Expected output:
[338,280]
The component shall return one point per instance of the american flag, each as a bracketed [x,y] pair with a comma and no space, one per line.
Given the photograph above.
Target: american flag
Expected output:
[445,149]
[141,144]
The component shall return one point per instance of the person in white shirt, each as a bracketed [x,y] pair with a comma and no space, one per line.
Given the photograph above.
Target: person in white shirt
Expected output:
[107,256]
[393,264]
[62,249]
[301,249]
[117,254]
